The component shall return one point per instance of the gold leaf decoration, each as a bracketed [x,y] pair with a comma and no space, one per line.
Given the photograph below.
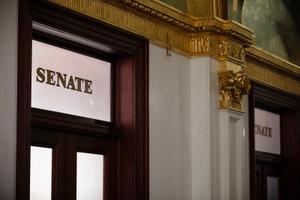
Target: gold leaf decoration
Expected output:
[232,87]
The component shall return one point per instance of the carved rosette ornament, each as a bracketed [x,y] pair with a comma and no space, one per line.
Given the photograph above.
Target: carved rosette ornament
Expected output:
[232,87]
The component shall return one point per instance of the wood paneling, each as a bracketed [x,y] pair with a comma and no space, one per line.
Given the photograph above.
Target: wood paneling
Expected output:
[128,131]
[288,163]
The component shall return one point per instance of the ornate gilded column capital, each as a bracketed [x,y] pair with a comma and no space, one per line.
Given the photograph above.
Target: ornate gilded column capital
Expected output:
[232,87]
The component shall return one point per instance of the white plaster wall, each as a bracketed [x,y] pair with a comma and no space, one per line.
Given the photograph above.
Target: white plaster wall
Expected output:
[204,109]
[8,97]
[183,122]
[219,139]
[245,164]
[197,151]
[232,155]
[169,125]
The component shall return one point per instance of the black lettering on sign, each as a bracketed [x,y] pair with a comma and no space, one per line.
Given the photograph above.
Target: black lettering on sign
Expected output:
[263,130]
[63,80]
[40,75]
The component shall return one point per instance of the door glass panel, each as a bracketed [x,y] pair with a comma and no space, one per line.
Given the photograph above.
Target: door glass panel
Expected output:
[40,173]
[267,131]
[272,188]
[89,176]
[68,82]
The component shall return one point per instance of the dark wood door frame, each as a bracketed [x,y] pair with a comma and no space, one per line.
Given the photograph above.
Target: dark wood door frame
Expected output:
[130,92]
[288,106]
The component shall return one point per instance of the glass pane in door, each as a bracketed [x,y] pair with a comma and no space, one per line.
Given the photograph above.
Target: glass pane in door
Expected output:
[272,188]
[267,131]
[89,176]
[40,173]
[68,82]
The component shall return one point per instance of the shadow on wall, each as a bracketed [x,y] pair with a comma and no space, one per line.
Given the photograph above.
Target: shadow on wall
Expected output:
[179,4]
[234,10]
[276,24]
[291,35]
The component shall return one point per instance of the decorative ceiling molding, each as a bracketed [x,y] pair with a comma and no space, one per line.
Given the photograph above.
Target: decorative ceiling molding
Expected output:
[189,23]
[169,27]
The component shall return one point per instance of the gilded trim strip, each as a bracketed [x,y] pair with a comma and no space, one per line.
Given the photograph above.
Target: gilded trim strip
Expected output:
[273,60]
[271,70]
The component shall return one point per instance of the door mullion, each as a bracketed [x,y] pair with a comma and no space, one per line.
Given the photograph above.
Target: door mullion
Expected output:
[70,167]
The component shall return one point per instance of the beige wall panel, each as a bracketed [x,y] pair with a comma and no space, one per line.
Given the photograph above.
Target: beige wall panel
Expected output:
[8,97]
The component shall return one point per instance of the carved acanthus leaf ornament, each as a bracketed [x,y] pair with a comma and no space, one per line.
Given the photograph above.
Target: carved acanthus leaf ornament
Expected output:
[232,87]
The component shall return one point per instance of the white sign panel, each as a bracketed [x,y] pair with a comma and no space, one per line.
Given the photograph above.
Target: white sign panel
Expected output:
[267,131]
[68,82]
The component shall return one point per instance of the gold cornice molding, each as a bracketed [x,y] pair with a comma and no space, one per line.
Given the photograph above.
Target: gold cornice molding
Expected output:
[189,23]
[168,27]
[201,8]
[156,7]
[269,69]
[272,60]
